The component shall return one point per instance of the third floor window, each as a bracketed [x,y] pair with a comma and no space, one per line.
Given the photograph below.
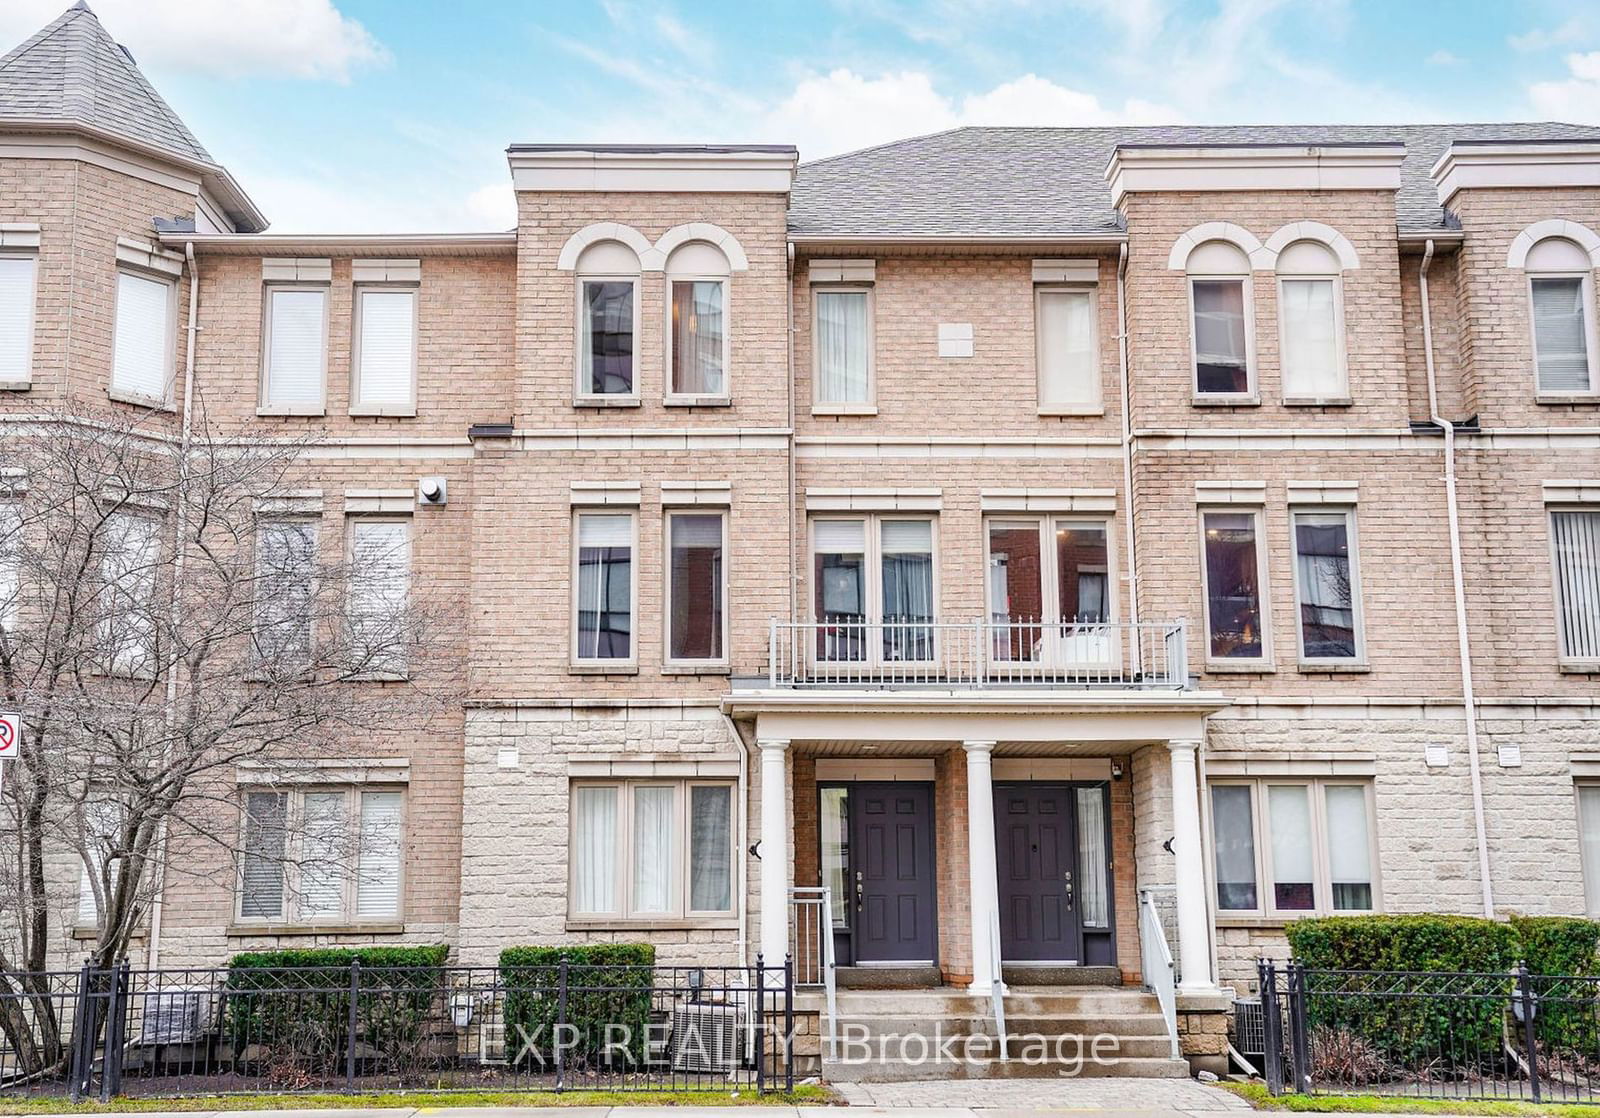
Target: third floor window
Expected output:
[295,349]
[843,341]
[1561,297]
[1220,299]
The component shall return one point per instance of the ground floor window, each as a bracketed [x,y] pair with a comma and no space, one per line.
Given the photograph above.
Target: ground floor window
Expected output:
[1589,838]
[652,848]
[321,855]
[1291,847]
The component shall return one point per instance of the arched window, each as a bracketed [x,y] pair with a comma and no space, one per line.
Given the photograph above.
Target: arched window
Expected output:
[1224,343]
[697,323]
[608,321]
[1311,323]
[1561,294]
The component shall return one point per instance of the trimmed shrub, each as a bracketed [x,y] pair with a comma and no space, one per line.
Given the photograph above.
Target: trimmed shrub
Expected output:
[1563,946]
[608,985]
[1425,942]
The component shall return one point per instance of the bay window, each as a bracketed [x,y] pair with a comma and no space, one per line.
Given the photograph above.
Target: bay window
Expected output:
[295,348]
[321,855]
[1575,546]
[1068,359]
[141,344]
[697,591]
[1326,586]
[1561,299]
[1220,302]
[651,849]
[1050,590]
[843,344]
[1232,576]
[608,322]
[1286,847]
[1311,323]
[603,588]
[873,588]
[386,351]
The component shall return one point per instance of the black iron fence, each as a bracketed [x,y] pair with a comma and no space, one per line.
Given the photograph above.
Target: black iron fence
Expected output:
[101,1032]
[1432,1034]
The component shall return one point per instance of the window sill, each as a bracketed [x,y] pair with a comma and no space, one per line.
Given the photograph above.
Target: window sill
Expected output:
[1279,922]
[408,412]
[137,400]
[316,410]
[844,409]
[15,385]
[696,669]
[83,932]
[1580,667]
[698,401]
[1318,402]
[313,929]
[621,667]
[380,677]
[1559,399]
[1243,667]
[1334,667]
[643,923]
[618,401]
[1086,410]
[1203,401]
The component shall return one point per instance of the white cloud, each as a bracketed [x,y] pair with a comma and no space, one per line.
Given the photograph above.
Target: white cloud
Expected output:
[1442,57]
[308,39]
[1543,38]
[1575,98]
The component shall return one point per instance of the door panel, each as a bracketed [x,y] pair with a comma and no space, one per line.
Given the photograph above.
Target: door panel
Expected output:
[1038,868]
[892,827]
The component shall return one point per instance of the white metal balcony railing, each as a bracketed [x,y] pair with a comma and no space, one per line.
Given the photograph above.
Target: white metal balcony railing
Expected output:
[1150,655]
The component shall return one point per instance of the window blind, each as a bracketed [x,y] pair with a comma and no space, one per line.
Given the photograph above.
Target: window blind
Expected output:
[323,856]
[1092,857]
[710,848]
[1589,829]
[1310,343]
[285,556]
[10,562]
[1349,863]
[139,347]
[697,337]
[1577,557]
[834,536]
[1233,836]
[1219,336]
[594,854]
[605,530]
[1560,335]
[261,883]
[378,888]
[1289,811]
[379,584]
[295,346]
[1067,376]
[388,347]
[842,354]
[907,535]
[653,848]
[16,318]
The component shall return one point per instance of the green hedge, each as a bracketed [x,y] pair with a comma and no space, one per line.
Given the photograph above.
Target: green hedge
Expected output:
[608,984]
[1563,945]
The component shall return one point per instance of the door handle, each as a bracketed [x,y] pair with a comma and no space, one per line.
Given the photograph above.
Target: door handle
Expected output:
[1067,877]
[860,893]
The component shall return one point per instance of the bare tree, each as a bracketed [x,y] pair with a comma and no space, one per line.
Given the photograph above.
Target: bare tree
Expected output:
[171,611]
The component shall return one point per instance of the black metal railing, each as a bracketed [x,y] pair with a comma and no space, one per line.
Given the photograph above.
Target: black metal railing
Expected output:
[1431,1034]
[103,1032]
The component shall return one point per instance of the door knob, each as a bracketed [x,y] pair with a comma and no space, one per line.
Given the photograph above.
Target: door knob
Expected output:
[1067,877]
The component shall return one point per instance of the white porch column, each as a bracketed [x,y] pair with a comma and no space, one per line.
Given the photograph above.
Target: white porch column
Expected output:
[774,852]
[981,863]
[1194,926]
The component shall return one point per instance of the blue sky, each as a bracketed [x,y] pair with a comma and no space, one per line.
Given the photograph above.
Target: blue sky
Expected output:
[367,115]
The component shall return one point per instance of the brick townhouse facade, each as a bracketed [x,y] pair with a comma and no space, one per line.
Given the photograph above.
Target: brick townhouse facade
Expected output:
[995,531]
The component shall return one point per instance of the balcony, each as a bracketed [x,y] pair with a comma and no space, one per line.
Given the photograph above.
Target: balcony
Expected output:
[981,655]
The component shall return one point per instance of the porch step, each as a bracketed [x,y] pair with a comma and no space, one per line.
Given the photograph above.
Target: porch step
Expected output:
[1023,974]
[902,1072]
[1021,1001]
[1133,1026]
[887,978]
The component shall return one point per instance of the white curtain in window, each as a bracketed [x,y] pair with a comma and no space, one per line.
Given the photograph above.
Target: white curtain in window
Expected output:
[1289,810]
[1310,340]
[387,346]
[1094,898]
[378,886]
[594,848]
[1067,373]
[139,347]
[1589,835]
[1560,335]
[710,848]
[697,337]
[843,332]
[653,852]
[295,350]
[1234,838]
[264,835]
[1349,860]
[16,318]
[1577,553]
[128,573]
[323,855]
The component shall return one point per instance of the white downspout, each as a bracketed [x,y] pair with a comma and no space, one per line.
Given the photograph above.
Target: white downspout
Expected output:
[1127,440]
[743,847]
[1464,649]
[180,533]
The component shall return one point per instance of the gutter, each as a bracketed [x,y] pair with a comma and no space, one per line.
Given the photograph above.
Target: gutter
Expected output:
[344,244]
[743,845]
[1463,643]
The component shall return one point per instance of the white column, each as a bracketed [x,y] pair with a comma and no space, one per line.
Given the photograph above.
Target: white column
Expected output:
[1194,925]
[774,852]
[984,898]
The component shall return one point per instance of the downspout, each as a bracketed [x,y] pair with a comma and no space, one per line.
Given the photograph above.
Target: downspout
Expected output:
[180,533]
[794,575]
[1127,440]
[743,847]
[1464,649]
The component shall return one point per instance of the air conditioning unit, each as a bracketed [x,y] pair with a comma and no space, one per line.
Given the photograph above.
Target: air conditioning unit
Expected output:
[706,1038]
[175,1017]
[1249,1027]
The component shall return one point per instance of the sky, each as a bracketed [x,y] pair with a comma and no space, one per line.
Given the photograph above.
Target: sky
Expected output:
[394,115]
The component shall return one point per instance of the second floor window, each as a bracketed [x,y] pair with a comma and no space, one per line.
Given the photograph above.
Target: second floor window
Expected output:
[843,340]
[873,593]
[386,351]
[1561,294]
[603,590]
[141,350]
[1232,568]
[696,587]
[1325,585]
[1050,590]
[380,581]
[295,366]
[1069,373]
[1575,536]
[1219,294]
[128,568]
[321,856]
[286,553]
[17,273]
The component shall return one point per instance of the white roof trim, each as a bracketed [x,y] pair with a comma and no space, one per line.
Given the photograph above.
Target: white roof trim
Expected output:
[346,244]
[608,231]
[153,258]
[703,231]
[689,172]
[1137,170]
[1524,166]
[1575,491]
[1523,242]
[1313,231]
[1238,235]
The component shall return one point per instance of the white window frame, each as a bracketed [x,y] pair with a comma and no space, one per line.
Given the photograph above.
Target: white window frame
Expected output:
[263,405]
[314,522]
[623,910]
[1261,838]
[1339,340]
[1252,392]
[872,560]
[1264,662]
[28,349]
[1055,652]
[595,665]
[580,392]
[353,524]
[294,818]
[869,406]
[1589,867]
[1358,618]
[145,667]
[1564,660]
[359,406]
[169,357]
[673,398]
[1092,290]
[713,663]
[1591,345]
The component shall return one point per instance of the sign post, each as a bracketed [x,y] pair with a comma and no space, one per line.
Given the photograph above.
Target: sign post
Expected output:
[10,739]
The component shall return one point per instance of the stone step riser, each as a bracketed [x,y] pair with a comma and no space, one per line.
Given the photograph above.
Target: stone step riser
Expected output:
[1131,1025]
[914,1047]
[1097,1005]
[888,1072]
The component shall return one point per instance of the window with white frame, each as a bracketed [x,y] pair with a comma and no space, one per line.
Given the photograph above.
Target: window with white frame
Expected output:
[1050,589]
[102,819]
[873,588]
[1311,322]
[295,348]
[1068,348]
[1233,568]
[10,562]
[129,562]
[697,326]
[1288,847]
[141,347]
[18,272]
[385,351]
[603,589]
[1222,306]
[697,587]
[842,331]
[380,584]
[648,849]
[286,555]
[321,855]
[1589,842]
[1575,546]
[1327,589]
[1561,298]
[608,321]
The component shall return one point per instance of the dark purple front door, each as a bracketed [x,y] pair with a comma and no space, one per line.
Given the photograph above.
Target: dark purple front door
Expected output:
[891,856]
[1035,839]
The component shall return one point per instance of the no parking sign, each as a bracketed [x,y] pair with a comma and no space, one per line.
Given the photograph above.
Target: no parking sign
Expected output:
[10,734]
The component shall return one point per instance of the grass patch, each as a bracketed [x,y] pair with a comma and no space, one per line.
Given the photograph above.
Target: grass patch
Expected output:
[1256,1095]
[809,1095]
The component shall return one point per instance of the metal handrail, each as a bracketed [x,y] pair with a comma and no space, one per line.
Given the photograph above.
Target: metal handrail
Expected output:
[811,944]
[997,985]
[1160,974]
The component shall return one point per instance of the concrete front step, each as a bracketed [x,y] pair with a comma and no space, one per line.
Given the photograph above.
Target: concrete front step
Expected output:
[928,1037]
[1019,1002]
[906,1071]
[1133,1024]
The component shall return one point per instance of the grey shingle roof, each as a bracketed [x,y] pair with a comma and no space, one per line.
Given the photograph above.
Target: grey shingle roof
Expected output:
[74,73]
[1021,182]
